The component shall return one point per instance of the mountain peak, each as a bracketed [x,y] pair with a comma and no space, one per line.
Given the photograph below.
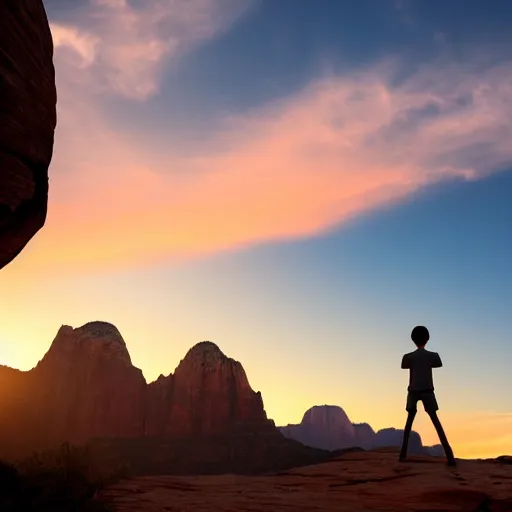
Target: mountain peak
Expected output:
[206,352]
[102,338]
[100,329]
[93,340]
[325,414]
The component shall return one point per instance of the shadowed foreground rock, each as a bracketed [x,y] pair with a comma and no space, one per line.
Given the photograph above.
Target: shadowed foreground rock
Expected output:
[363,481]
[27,122]
[246,452]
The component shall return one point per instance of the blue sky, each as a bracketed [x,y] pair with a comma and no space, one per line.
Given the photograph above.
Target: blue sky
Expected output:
[301,182]
[278,47]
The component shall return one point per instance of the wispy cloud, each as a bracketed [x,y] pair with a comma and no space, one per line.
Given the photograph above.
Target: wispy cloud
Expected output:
[297,167]
[124,47]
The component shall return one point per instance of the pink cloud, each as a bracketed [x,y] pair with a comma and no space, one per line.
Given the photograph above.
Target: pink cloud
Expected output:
[82,43]
[298,167]
[125,48]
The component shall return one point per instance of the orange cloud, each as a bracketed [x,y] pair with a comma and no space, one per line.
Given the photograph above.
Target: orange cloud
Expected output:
[343,146]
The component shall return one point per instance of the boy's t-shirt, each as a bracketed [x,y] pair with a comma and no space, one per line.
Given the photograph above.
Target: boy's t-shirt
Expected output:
[420,364]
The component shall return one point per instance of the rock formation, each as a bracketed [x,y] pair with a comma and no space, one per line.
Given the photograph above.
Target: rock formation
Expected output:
[328,427]
[27,122]
[365,435]
[87,384]
[209,395]
[203,418]
[393,437]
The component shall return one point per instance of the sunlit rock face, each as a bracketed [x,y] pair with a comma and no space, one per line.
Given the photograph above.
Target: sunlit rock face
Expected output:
[27,122]
[211,395]
[87,384]
[86,387]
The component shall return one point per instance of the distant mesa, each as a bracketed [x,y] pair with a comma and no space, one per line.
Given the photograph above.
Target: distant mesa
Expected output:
[393,437]
[435,450]
[330,417]
[365,435]
[27,122]
[328,427]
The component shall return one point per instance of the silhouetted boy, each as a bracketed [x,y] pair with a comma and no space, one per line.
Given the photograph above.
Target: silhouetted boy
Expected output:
[421,387]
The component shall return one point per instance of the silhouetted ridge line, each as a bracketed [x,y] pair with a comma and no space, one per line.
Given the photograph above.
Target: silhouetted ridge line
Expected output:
[328,427]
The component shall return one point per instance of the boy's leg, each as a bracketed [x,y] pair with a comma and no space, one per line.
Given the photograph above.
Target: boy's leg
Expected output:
[431,408]
[407,430]
[442,437]
[412,400]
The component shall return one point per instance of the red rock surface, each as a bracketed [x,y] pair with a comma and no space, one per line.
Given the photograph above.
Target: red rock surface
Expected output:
[207,395]
[211,395]
[354,482]
[87,384]
[27,122]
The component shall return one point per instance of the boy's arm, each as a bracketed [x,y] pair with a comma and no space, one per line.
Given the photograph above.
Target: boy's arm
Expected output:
[405,362]
[436,361]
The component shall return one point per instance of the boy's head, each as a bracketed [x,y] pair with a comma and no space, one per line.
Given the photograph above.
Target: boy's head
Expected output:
[420,336]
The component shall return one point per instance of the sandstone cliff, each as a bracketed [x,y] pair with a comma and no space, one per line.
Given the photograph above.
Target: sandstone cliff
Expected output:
[208,394]
[85,386]
[202,418]
[27,122]
[88,386]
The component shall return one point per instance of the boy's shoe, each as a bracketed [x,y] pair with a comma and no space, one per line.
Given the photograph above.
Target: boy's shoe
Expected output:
[451,462]
[401,458]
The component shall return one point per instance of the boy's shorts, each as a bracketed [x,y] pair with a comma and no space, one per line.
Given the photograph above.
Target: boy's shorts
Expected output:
[427,397]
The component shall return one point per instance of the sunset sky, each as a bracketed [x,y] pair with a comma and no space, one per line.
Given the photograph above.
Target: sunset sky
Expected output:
[301,182]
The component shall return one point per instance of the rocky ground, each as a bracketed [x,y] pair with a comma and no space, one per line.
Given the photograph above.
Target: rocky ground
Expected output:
[359,481]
